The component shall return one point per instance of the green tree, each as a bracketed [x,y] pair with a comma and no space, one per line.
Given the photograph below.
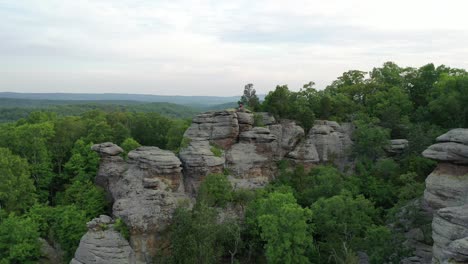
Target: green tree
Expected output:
[250,98]
[283,226]
[19,240]
[17,191]
[342,219]
[86,196]
[215,190]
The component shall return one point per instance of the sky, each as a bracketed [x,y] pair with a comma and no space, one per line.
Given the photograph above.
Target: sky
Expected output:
[216,47]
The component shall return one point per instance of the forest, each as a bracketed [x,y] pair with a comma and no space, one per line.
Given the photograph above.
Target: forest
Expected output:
[320,215]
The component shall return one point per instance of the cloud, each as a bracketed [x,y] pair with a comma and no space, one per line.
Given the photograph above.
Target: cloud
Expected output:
[204,47]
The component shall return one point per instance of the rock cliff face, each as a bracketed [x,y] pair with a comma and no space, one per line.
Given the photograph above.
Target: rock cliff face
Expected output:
[447,195]
[146,188]
[102,244]
[250,154]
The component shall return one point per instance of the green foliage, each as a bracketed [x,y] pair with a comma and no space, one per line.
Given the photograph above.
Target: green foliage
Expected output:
[86,196]
[175,135]
[83,163]
[217,151]
[196,236]
[341,219]
[215,190]
[17,191]
[122,228]
[283,226]
[321,181]
[258,120]
[19,240]
[370,140]
[128,145]
[249,98]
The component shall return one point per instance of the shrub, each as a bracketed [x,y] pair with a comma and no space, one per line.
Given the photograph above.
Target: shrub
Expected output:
[215,190]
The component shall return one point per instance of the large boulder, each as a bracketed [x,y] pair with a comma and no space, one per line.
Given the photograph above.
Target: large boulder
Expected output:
[145,189]
[327,142]
[447,186]
[253,156]
[288,135]
[450,147]
[199,161]
[218,127]
[102,244]
[397,146]
[450,234]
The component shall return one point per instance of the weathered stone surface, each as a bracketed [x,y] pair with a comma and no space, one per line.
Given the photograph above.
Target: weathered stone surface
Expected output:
[107,148]
[458,135]
[450,234]
[448,151]
[146,190]
[288,136]
[266,118]
[397,146]
[253,156]
[198,161]
[447,186]
[245,120]
[103,245]
[218,127]
[50,254]
[326,142]
[451,147]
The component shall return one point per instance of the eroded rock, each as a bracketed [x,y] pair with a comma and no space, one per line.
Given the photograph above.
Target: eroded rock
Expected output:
[102,244]
[145,189]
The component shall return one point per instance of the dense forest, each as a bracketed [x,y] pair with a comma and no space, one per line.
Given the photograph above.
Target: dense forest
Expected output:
[304,216]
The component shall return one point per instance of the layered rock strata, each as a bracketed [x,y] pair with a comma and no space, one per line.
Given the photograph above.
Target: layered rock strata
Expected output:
[446,194]
[145,189]
[102,244]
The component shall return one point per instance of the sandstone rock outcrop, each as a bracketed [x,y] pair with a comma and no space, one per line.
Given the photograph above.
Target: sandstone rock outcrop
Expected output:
[397,146]
[145,189]
[102,244]
[251,153]
[446,194]
[218,127]
[327,141]
[198,161]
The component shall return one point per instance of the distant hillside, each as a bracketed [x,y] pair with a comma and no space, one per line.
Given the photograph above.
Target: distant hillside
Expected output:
[14,109]
[176,99]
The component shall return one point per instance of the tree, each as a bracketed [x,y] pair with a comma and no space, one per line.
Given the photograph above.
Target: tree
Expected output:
[86,196]
[249,98]
[341,219]
[17,190]
[370,140]
[215,190]
[195,236]
[283,226]
[19,240]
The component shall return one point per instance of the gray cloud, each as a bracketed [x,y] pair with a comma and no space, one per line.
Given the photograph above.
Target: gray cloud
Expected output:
[215,47]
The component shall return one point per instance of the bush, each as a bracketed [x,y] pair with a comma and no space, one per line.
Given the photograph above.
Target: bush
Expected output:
[215,190]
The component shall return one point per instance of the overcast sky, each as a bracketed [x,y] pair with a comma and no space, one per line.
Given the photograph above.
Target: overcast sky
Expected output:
[215,47]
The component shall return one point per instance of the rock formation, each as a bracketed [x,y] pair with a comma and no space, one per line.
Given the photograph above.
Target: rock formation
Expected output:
[397,146]
[250,154]
[447,195]
[145,189]
[102,244]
